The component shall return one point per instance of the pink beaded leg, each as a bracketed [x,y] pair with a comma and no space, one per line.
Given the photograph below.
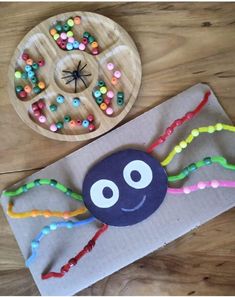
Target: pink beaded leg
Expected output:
[202,185]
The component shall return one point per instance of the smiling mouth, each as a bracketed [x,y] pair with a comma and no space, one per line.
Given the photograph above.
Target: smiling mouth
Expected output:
[136,207]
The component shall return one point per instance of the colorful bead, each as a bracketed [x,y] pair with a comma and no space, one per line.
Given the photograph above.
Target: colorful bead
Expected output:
[110,66]
[63,36]
[71,40]
[99,100]
[53,127]
[103,106]
[19,89]
[90,118]
[70,22]
[117,74]
[177,149]
[94,44]
[41,85]
[207,160]
[85,40]
[214,184]
[59,125]
[72,124]
[53,107]
[41,104]
[31,74]
[85,123]
[23,94]
[76,102]
[192,167]
[27,89]
[110,94]
[27,68]
[95,51]
[183,144]
[34,244]
[41,63]
[24,75]
[29,62]
[35,66]
[69,46]
[97,94]
[211,129]
[109,111]
[36,90]
[60,99]
[91,39]
[67,118]
[18,74]
[103,90]
[53,226]
[195,132]
[58,27]
[120,101]
[86,34]
[46,230]
[91,127]
[25,56]
[77,20]
[34,80]
[42,119]
[53,31]
[56,36]
[37,113]
[75,44]
[101,83]
[219,127]
[107,100]
[82,46]
[186,190]
[69,33]
[66,27]
[35,106]
[114,81]
[79,122]
[201,185]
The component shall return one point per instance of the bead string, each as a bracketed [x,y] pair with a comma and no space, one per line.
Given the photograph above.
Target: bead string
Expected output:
[205,162]
[195,133]
[45,213]
[52,227]
[202,185]
[72,262]
[188,116]
[41,182]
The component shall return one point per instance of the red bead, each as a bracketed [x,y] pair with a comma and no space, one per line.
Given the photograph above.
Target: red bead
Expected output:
[90,118]
[107,100]
[189,115]
[169,131]
[95,51]
[41,62]
[91,127]
[79,122]
[59,40]
[41,104]
[63,45]
[23,94]
[178,122]
[37,113]
[72,262]
[34,106]
[85,41]
[25,56]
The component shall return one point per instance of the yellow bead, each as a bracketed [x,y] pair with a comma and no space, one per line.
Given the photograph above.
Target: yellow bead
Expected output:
[219,127]
[103,90]
[183,144]
[195,132]
[56,36]
[178,149]
[211,129]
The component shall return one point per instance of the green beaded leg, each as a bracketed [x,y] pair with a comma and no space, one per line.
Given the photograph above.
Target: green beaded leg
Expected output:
[205,162]
[41,182]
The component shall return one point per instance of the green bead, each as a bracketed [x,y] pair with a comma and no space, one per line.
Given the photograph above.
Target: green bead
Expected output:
[24,187]
[36,90]
[99,100]
[91,39]
[53,107]
[34,79]
[207,161]
[37,182]
[58,27]
[19,89]
[101,83]
[120,101]
[192,167]
[70,22]
[24,75]
[53,182]
[17,74]
[66,27]
[185,171]
[86,34]
[68,192]
[120,95]
[59,125]
[35,66]
[67,118]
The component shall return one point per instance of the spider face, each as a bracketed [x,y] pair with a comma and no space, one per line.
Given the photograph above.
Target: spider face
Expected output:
[125,188]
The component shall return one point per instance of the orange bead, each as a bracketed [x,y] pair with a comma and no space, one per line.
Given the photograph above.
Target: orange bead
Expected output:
[114,81]
[72,124]
[77,20]
[29,62]
[41,85]
[103,106]
[27,89]
[34,213]
[53,31]
[47,213]
[66,215]
[94,44]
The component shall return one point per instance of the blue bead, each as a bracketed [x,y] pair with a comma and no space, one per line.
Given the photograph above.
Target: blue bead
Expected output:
[34,244]
[60,99]
[37,182]
[68,192]
[76,102]
[24,188]
[207,161]
[75,44]
[69,224]
[53,226]
[69,46]
[24,75]
[46,230]
[85,123]
[97,93]
[31,74]
[192,167]
[28,68]
[53,183]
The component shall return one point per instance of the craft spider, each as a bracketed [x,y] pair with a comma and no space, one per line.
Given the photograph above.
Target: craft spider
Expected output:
[130,192]
[75,75]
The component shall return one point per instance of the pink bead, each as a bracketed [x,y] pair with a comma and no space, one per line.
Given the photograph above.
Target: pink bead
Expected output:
[63,45]
[23,94]
[85,40]
[90,118]
[25,56]
[71,39]
[214,184]
[109,111]
[41,104]
[95,51]
[201,185]
[53,127]
[110,66]
[117,74]
[34,106]
[37,113]
[178,122]
[107,100]
[91,127]
[186,190]
[82,46]
[110,94]
[63,36]
[169,131]
[79,122]
[58,41]
[189,115]
[42,119]
[41,62]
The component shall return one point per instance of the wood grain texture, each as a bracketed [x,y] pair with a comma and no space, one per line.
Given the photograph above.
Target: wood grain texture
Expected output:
[115,45]
[180,44]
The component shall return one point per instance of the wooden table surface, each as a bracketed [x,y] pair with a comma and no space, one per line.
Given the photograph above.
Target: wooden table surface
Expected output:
[180,45]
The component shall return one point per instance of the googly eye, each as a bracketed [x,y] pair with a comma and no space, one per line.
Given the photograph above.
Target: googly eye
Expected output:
[104,193]
[138,174]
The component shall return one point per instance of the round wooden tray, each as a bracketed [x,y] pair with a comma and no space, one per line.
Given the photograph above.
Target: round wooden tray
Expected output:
[115,46]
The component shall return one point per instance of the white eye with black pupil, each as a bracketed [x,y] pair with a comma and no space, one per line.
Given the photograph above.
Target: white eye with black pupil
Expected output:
[104,193]
[138,174]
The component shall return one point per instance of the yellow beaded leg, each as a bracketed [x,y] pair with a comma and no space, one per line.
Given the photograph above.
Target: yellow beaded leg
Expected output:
[195,133]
